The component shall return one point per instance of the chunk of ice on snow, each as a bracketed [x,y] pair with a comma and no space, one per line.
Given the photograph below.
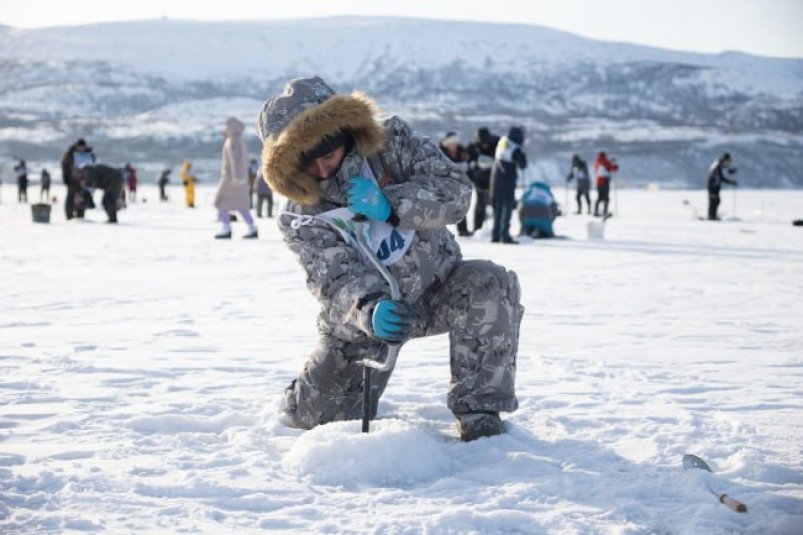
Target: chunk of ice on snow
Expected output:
[393,454]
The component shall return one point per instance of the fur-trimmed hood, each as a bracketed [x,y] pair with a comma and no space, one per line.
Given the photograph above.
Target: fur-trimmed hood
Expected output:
[294,122]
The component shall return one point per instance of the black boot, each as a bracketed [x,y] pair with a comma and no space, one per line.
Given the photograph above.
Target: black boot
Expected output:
[476,425]
[252,234]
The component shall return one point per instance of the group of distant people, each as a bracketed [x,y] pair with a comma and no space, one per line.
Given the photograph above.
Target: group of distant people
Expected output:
[83,175]
[604,168]
[492,164]
[21,174]
[240,181]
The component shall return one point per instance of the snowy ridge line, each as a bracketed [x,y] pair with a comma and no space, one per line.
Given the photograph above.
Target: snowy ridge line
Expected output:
[665,114]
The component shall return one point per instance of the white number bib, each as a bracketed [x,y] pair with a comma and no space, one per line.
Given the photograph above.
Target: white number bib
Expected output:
[388,243]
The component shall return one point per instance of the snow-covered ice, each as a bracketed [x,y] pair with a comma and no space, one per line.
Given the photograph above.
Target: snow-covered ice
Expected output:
[141,365]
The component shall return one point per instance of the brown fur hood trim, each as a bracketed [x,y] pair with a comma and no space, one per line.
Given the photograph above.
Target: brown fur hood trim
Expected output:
[282,153]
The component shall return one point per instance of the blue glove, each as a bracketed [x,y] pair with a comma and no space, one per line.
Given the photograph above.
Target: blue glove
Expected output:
[392,321]
[365,198]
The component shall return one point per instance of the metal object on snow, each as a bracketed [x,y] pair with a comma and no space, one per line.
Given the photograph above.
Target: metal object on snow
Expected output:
[692,462]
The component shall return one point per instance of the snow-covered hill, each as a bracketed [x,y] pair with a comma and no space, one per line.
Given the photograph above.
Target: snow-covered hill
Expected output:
[161,89]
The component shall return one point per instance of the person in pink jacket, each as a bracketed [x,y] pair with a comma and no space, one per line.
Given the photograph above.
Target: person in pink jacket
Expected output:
[232,190]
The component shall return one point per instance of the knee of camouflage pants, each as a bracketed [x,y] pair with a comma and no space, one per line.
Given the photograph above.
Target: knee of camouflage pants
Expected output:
[330,387]
[482,304]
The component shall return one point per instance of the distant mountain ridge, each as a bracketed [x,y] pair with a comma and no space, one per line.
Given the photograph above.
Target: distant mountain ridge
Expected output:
[160,90]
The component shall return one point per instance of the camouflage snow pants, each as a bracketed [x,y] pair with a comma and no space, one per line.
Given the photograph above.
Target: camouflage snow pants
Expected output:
[478,305]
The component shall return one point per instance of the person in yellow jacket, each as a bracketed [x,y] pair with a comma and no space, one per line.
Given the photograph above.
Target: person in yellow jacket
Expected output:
[189,184]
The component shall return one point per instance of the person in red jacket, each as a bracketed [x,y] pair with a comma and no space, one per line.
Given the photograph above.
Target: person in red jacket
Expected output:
[603,168]
[130,177]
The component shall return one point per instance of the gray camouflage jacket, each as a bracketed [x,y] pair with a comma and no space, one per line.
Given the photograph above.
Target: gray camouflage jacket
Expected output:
[427,193]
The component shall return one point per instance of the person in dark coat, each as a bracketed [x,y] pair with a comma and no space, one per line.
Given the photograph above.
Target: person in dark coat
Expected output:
[21,170]
[457,154]
[44,185]
[716,176]
[163,179]
[579,171]
[66,177]
[253,167]
[264,194]
[110,180]
[484,145]
[504,174]
[66,164]
[77,156]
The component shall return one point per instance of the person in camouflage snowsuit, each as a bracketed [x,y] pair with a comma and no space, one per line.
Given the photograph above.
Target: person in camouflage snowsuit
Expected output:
[327,151]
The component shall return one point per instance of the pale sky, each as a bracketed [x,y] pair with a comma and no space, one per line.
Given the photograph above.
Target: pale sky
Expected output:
[765,27]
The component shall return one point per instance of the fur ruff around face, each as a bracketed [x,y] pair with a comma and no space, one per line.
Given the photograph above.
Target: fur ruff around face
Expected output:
[281,155]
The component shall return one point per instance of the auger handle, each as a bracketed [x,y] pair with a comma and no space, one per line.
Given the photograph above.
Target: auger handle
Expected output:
[736,505]
[395,293]
[366,398]
[393,349]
